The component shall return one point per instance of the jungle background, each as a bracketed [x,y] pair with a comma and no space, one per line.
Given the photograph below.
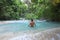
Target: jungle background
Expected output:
[36,9]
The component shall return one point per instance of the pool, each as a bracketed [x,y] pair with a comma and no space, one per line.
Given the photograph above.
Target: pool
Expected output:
[23,26]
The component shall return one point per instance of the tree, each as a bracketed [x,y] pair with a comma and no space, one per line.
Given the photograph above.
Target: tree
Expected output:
[9,10]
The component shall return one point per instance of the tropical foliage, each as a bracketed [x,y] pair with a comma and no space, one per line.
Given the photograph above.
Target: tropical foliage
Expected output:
[37,9]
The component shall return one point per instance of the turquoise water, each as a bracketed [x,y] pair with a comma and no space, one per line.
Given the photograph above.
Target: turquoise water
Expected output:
[15,27]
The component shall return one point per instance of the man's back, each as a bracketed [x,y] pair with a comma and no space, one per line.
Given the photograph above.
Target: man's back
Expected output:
[32,24]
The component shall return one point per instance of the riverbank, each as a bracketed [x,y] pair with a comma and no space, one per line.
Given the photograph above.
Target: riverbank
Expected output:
[50,34]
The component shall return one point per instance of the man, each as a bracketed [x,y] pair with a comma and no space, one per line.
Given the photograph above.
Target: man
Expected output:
[32,23]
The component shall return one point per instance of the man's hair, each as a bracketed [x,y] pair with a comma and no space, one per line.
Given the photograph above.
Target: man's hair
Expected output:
[31,19]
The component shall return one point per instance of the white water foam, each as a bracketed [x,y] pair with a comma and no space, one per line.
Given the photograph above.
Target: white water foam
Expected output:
[24,37]
[45,35]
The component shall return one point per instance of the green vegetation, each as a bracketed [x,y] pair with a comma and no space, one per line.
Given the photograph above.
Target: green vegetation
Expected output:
[37,9]
[8,10]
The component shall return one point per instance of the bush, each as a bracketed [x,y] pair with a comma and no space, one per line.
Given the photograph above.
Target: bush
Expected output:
[31,16]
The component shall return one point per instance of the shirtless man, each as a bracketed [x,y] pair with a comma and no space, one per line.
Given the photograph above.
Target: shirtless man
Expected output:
[32,23]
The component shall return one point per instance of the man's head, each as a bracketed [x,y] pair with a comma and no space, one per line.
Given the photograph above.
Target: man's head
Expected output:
[31,19]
